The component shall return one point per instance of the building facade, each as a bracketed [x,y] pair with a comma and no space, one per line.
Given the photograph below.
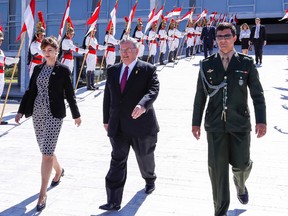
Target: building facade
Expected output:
[11,18]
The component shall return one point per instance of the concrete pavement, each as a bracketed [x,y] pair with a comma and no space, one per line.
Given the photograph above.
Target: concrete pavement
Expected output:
[182,187]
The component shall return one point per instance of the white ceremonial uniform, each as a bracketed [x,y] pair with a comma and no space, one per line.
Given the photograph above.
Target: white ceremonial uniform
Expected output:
[140,37]
[190,36]
[5,61]
[152,42]
[36,56]
[111,42]
[163,40]
[68,47]
[198,32]
[92,45]
[178,35]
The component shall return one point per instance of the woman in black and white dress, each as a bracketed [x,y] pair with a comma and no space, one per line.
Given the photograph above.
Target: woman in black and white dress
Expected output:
[244,37]
[44,101]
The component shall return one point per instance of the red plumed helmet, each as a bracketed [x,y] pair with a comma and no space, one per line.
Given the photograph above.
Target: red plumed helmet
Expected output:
[41,19]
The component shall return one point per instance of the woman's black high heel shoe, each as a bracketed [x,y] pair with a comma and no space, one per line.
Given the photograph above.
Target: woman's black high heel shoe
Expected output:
[55,183]
[42,205]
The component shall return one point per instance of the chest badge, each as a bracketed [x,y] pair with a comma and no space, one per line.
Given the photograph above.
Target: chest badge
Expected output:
[210,71]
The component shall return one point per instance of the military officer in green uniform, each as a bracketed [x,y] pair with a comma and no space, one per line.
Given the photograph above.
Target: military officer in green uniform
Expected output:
[225,77]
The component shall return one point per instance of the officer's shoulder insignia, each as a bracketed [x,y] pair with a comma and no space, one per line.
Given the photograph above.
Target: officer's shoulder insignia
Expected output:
[210,70]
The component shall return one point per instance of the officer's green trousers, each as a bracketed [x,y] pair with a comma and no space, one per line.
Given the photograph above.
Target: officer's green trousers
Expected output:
[226,148]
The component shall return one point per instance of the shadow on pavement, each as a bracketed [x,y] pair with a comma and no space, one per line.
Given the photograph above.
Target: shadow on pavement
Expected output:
[236,212]
[20,208]
[131,208]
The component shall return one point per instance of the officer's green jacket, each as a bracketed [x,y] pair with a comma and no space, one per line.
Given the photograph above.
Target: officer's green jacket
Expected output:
[241,73]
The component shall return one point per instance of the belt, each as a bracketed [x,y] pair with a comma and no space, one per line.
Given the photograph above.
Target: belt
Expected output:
[111,49]
[68,54]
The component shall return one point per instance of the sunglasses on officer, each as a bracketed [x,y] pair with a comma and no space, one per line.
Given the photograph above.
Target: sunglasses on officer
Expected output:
[224,37]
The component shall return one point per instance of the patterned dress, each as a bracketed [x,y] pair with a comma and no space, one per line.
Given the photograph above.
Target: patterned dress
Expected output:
[47,127]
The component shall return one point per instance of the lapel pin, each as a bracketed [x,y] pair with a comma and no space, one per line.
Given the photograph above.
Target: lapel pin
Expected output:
[210,71]
[136,72]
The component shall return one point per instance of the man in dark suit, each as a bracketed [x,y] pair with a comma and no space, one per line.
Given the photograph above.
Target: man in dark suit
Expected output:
[208,39]
[226,77]
[258,38]
[130,120]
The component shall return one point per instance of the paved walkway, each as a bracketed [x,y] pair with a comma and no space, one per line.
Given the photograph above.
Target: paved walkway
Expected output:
[183,186]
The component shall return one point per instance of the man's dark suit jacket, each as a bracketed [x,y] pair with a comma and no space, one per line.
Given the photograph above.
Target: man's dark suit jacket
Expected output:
[59,83]
[262,33]
[208,37]
[142,88]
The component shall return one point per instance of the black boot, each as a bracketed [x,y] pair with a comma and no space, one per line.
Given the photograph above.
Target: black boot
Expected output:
[175,54]
[162,59]
[151,59]
[187,51]
[191,50]
[170,56]
[92,80]
[88,80]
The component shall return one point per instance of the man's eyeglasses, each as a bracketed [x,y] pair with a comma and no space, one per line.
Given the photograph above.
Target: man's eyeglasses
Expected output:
[224,37]
[128,50]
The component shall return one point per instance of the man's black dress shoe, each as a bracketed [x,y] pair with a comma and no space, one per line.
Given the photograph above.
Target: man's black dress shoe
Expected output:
[110,207]
[243,198]
[42,205]
[55,183]
[4,123]
[149,188]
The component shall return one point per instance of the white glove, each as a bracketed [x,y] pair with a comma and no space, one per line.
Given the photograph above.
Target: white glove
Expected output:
[9,60]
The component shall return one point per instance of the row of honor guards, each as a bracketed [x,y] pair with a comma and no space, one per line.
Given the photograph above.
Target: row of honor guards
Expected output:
[158,39]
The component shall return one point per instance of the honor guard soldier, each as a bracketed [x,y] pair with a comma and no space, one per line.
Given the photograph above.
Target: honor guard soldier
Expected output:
[173,40]
[111,43]
[152,38]
[4,61]
[126,32]
[190,41]
[67,47]
[91,43]
[163,36]
[35,55]
[177,34]
[140,37]
[198,31]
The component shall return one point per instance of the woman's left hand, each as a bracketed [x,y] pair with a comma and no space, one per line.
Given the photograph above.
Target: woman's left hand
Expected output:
[78,121]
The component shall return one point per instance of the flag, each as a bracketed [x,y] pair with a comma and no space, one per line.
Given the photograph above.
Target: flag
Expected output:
[285,16]
[28,24]
[113,17]
[150,17]
[131,16]
[174,12]
[154,17]
[158,14]
[202,15]
[188,15]
[64,18]
[212,16]
[93,19]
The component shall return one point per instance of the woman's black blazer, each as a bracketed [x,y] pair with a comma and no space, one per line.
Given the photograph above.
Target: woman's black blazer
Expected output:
[59,86]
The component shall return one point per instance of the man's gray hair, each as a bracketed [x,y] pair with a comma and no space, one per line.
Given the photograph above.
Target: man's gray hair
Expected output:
[129,40]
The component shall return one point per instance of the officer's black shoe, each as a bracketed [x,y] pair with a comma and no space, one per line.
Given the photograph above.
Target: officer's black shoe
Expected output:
[110,207]
[243,198]
[149,188]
